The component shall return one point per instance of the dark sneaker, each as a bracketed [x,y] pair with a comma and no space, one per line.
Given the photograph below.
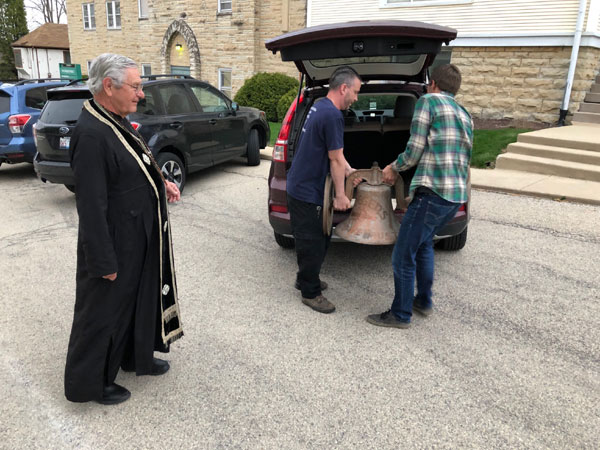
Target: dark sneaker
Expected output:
[114,394]
[319,303]
[386,319]
[424,311]
[323,285]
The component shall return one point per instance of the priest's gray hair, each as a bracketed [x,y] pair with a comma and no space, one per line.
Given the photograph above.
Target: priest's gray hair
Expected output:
[108,65]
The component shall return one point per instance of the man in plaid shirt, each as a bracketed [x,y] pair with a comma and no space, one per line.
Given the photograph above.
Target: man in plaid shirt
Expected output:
[440,146]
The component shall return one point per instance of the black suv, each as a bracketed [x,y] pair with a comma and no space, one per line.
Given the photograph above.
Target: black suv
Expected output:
[188,124]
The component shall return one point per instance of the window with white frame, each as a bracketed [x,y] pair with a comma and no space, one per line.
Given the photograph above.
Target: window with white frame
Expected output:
[113,15]
[89,17]
[18,58]
[146,69]
[143,9]
[224,5]
[225,81]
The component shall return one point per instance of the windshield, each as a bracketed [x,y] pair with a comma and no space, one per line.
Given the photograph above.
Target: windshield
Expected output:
[64,111]
[371,102]
[4,102]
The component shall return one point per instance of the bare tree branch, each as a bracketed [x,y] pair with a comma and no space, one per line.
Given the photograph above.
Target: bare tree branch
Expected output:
[51,11]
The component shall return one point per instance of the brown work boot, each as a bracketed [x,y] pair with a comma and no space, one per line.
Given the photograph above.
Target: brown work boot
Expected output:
[319,303]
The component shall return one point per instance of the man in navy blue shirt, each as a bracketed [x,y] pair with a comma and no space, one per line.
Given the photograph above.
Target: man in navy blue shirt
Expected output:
[320,151]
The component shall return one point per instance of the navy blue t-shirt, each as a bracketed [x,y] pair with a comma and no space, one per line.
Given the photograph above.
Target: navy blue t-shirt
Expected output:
[323,131]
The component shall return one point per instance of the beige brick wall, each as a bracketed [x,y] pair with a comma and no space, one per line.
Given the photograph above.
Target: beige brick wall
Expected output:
[523,83]
[228,40]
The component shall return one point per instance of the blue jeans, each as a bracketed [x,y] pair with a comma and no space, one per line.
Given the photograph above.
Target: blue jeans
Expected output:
[413,252]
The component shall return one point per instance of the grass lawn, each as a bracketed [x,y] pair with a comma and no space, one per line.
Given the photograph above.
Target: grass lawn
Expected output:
[275,126]
[487,144]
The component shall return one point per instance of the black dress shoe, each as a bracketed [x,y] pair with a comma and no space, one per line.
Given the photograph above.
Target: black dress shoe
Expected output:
[159,366]
[114,394]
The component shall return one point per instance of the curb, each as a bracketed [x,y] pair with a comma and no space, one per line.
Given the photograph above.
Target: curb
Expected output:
[266,153]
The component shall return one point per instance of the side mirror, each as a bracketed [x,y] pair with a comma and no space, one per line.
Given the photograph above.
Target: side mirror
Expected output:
[235,106]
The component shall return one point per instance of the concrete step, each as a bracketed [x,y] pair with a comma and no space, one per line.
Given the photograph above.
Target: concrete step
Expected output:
[592,97]
[595,88]
[557,153]
[590,107]
[575,136]
[547,166]
[587,117]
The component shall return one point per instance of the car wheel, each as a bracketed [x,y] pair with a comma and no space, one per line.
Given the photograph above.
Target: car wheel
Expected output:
[453,242]
[284,241]
[253,152]
[70,187]
[172,168]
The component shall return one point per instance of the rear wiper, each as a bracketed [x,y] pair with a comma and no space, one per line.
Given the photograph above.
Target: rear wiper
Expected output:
[70,122]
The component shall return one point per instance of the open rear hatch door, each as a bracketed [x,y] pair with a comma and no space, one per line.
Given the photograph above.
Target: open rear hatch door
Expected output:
[376,49]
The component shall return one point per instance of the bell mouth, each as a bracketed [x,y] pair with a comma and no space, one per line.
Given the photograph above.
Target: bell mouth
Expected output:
[372,220]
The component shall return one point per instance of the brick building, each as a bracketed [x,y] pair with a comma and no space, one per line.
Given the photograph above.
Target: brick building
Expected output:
[220,41]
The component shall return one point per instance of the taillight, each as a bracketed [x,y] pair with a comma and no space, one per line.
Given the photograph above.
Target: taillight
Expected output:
[279,208]
[280,151]
[281,145]
[17,122]
[136,126]
[463,207]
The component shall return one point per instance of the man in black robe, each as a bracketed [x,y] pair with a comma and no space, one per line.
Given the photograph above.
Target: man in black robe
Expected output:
[126,296]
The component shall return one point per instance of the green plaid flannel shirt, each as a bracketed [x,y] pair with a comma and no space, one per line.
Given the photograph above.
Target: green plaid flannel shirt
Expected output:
[441,138]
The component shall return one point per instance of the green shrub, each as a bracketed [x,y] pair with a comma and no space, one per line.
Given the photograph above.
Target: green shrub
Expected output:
[263,91]
[285,101]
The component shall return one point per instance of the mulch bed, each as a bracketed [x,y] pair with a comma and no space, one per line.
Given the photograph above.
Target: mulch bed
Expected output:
[494,124]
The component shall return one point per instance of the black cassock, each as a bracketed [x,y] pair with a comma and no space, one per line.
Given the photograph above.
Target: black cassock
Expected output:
[123,228]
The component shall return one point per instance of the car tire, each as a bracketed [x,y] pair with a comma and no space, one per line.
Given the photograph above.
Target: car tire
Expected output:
[453,242]
[253,152]
[284,241]
[70,187]
[172,168]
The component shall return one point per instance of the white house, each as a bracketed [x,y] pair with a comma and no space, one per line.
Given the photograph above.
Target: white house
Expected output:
[38,54]
[515,55]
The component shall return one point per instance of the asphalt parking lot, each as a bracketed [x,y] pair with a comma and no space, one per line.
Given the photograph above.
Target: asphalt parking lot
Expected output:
[510,359]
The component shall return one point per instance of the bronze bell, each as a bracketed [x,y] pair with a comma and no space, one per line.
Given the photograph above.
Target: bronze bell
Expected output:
[372,219]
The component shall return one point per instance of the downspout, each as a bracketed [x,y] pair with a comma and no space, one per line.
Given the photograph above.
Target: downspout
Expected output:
[573,64]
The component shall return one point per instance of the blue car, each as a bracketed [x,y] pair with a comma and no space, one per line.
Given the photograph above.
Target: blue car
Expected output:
[20,107]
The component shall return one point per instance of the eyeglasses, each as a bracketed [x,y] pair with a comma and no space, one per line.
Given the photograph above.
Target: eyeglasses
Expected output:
[136,87]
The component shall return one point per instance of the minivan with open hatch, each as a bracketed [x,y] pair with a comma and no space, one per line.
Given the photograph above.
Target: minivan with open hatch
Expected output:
[392,57]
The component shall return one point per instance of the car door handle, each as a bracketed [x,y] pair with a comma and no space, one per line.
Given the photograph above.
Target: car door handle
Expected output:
[212,121]
[175,125]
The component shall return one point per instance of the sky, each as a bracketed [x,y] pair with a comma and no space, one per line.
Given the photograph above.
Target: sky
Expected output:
[34,18]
